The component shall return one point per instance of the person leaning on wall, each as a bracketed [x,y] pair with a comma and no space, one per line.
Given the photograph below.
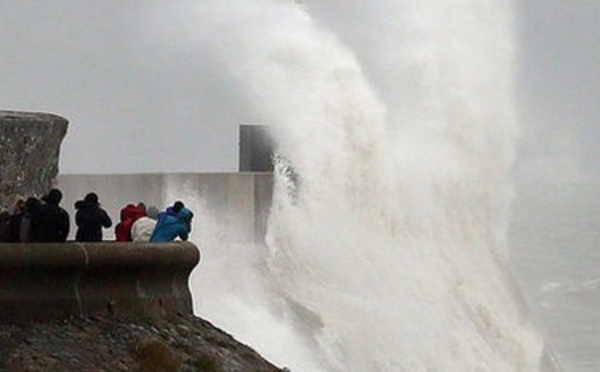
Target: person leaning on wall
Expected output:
[175,222]
[129,214]
[143,227]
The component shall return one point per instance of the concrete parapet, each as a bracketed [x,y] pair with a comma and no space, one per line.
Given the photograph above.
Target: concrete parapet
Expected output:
[127,280]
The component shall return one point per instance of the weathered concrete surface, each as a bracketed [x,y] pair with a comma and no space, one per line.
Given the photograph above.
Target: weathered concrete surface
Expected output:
[240,202]
[30,146]
[126,280]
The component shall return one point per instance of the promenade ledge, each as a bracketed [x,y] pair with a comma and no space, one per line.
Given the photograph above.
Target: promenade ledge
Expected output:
[40,282]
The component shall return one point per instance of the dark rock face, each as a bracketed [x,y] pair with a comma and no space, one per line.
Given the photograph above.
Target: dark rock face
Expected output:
[182,343]
[30,146]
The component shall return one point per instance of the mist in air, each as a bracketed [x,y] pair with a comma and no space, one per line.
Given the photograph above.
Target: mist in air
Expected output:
[387,249]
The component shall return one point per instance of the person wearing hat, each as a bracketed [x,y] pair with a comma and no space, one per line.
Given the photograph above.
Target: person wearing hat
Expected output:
[90,219]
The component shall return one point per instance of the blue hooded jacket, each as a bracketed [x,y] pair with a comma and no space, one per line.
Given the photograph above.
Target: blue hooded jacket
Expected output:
[169,226]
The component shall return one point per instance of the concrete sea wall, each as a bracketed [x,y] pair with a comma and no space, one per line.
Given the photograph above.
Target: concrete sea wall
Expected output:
[41,282]
[126,280]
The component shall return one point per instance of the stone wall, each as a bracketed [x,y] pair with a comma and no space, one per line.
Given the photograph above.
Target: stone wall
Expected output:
[126,280]
[30,147]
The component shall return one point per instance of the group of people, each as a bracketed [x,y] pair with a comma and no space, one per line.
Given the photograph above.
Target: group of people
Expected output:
[140,224]
[43,220]
[36,220]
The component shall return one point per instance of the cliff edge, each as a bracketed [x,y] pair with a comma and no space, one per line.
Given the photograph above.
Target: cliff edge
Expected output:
[178,343]
[108,306]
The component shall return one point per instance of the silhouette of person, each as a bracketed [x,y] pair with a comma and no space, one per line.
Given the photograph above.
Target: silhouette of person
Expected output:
[51,222]
[90,219]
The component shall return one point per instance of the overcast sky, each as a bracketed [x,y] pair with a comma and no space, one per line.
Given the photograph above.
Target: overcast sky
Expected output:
[559,74]
[139,79]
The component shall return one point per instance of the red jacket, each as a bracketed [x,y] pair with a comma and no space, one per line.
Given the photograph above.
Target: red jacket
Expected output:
[129,214]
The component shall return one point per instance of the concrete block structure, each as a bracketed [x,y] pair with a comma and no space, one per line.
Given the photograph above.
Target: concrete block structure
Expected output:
[256,149]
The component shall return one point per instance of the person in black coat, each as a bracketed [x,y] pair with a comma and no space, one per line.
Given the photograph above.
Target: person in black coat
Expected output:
[22,223]
[4,226]
[51,222]
[90,219]
[14,222]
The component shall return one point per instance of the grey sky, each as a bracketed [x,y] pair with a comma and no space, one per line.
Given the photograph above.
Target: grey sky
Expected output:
[132,98]
[559,71]
[139,80]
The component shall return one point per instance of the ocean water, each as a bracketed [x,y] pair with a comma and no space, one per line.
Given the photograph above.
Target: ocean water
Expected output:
[555,236]
[388,248]
[553,239]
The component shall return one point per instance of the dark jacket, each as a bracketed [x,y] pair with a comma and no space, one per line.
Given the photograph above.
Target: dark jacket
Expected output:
[51,222]
[14,227]
[22,223]
[14,221]
[90,219]
[4,227]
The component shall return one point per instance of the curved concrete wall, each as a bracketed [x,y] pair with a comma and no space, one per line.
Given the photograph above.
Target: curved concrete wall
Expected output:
[126,280]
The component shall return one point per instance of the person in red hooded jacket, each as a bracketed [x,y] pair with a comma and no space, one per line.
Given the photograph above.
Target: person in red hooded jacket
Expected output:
[129,214]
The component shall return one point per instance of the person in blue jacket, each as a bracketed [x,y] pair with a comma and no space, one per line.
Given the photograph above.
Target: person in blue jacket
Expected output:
[175,222]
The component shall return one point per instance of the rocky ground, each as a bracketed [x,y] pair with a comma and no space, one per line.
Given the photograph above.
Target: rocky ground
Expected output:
[182,343]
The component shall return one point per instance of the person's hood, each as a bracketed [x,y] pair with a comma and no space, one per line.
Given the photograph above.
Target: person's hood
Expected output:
[32,204]
[152,212]
[90,201]
[91,198]
[185,215]
[132,211]
[53,197]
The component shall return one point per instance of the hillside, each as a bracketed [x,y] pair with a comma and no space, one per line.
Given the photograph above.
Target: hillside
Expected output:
[182,343]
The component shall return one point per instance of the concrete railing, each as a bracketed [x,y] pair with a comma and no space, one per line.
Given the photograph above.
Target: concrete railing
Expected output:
[126,280]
